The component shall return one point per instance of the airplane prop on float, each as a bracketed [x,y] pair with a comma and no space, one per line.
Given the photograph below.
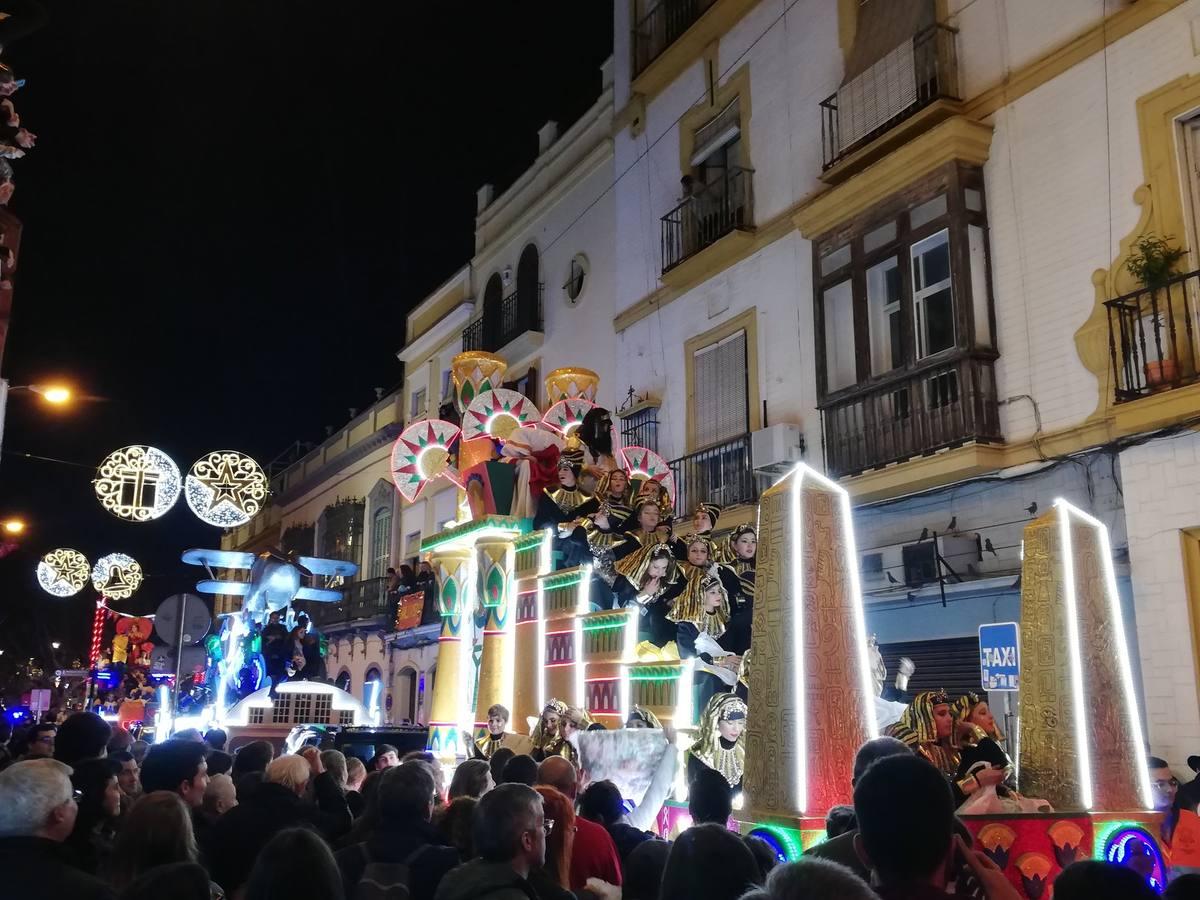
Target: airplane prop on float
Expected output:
[276,578]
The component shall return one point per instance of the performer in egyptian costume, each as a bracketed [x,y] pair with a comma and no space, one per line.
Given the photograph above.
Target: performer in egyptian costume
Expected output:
[642,537]
[704,520]
[498,735]
[547,735]
[973,710]
[560,507]
[650,581]
[743,548]
[720,746]
[616,508]
[702,618]
[642,718]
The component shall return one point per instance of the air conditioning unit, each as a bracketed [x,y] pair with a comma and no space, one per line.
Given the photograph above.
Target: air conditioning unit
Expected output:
[777,448]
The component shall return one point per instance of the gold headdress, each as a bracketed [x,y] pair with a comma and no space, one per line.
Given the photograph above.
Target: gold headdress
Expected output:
[634,565]
[639,712]
[690,605]
[708,749]
[962,707]
[538,735]
[916,724]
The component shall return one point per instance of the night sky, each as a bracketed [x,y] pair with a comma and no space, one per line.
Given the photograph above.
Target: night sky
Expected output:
[231,207]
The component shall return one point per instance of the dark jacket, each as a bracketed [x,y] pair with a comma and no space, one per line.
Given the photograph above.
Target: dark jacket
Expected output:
[627,838]
[840,849]
[480,880]
[241,833]
[37,867]
[416,843]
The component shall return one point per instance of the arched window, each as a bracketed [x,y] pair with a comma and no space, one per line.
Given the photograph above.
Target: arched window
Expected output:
[529,287]
[381,540]
[406,692]
[493,302]
[343,681]
[373,692]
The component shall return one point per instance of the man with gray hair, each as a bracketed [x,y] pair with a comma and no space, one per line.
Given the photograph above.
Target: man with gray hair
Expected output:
[37,813]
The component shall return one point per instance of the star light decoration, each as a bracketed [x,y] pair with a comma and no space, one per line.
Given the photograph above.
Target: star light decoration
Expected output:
[643,463]
[137,483]
[63,572]
[567,415]
[116,576]
[422,453]
[498,413]
[226,488]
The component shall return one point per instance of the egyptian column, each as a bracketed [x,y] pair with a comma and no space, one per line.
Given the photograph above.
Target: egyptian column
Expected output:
[1080,744]
[810,681]
[450,712]
[496,560]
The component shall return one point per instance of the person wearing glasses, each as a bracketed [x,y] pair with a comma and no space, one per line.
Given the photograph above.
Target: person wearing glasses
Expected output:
[509,830]
[41,741]
[38,809]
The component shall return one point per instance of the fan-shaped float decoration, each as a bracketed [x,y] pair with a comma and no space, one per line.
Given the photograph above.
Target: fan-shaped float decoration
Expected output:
[643,463]
[422,453]
[567,415]
[497,414]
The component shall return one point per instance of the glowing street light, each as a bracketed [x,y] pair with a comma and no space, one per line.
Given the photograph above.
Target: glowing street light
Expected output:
[52,393]
[14,526]
[55,644]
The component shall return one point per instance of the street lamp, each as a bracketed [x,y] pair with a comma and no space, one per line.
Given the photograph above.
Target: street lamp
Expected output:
[14,526]
[55,394]
[55,644]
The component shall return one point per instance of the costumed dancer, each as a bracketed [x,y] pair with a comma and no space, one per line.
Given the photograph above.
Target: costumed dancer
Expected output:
[719,746]
[643,535]
[648,579]
[743,546]
[642,718]
[547,735]
[498,735]
[704,520]
[603,526]
[702,618]
[559,507]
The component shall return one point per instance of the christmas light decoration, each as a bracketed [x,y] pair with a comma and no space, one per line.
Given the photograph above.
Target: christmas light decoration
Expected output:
[226,488]
[422,453]
[498,414]
[116,576]
[645,464]
[98,630]
[567,415]
[63,572]
[137,483]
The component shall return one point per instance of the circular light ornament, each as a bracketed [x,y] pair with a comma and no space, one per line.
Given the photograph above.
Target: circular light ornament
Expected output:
[226,488]
[63,572]
[137,483]
[422,453]
[497,414]
[646,465]
[116,576]
[567,415]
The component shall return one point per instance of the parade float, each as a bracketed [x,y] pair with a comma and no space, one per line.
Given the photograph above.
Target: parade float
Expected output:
[812,698]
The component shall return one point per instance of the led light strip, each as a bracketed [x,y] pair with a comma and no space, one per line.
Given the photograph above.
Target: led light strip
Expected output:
[1110,585]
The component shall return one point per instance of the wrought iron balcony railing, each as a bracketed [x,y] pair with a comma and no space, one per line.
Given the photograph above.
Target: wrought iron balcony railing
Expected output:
[722,474]
[1152,337]
[661,26]
[910,78]
[932,408]
[519,312]
[364,599]
[712,212]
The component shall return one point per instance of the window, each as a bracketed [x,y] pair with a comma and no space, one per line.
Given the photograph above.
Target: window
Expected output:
[418,403]
[905,286]
[322,706]
[447,385]
[526,385]
[576,275]
[412,544]
[381,540]
[721,407]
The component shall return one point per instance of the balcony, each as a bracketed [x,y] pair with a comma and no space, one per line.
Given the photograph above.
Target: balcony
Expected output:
[518,313]
[722,474]
[659,28]
[366,599]
[909,79]
[935,407]
[717,209]
[1152,338]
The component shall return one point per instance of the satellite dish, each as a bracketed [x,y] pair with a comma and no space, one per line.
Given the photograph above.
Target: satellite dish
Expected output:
[197,620]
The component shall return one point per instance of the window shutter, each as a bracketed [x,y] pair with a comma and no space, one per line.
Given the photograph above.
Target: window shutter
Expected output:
[717,132]
[719,379]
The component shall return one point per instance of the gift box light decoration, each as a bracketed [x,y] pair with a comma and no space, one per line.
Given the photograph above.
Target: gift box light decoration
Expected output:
[137,483]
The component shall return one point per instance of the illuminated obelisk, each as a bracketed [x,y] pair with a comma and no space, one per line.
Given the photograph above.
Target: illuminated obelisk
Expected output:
[1080,738]
[811,702]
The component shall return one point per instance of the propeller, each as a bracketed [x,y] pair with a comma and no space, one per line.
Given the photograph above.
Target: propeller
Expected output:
[289,558]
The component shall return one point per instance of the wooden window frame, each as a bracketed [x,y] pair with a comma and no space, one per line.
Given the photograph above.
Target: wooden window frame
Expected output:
[953,180]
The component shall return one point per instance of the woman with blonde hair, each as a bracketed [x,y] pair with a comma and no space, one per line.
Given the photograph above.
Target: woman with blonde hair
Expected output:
[157,831]
[552,881]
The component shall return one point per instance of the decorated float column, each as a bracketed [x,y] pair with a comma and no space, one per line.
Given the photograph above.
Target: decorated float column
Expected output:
[534,559]
[810,679]
[451,714]
[1080,742]
[497,593]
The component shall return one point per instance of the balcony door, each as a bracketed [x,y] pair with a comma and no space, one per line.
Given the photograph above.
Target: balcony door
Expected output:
[721,403]
[493,301]
[524,315]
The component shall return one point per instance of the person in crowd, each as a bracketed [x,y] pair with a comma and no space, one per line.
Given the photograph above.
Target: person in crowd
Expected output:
[1183,887]
[83,735]
[157,832]
[128,778]
[453,824]
[295,863]
[121,740]
[334,762]
[709,862]
[219,797]
[250,764]
[38,742]
[1095,880]
[906,833]
[406,847]
[509,832]
[520,770]
[718,744]
[216,738]
[764,856]
[435,769]
[177,766]
[190,734]
[472,778]
[275,804]
[219,762]
[6,732]
[178,881]
[812,879]
[709,800]
[37,813]
[99,801]
[356,774]
[593,854]
[497,763]
[838,821]
[644,871]
[552,879]
[139,749]
[1163,783]
[602,803]
[386,757]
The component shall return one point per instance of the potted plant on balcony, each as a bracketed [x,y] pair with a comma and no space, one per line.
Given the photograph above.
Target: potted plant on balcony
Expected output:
[1152,261]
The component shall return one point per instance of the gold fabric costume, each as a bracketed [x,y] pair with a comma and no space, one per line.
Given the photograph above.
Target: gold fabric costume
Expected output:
[634,565]
[645,715]
[567,499]
[708,750]
[553,744]
[488,745]
[635,571]
[689,607]
[916,728]
[617,509]
[962,707]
